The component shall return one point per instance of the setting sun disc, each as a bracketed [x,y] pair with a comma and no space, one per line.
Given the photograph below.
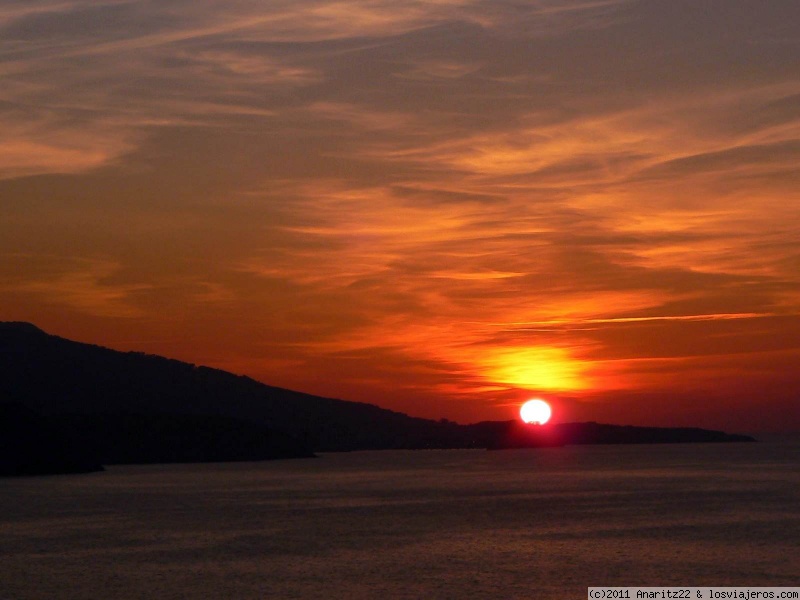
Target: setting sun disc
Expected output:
[535,411]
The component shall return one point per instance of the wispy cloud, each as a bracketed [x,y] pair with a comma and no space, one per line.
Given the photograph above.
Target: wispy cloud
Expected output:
[79,284]
[563,323]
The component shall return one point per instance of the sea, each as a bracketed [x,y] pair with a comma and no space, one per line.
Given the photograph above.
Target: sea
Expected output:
[536,523]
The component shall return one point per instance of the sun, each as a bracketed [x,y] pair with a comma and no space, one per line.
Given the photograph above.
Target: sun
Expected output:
[535,411]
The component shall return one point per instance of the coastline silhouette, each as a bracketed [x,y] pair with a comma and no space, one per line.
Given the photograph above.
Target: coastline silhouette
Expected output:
[83,405]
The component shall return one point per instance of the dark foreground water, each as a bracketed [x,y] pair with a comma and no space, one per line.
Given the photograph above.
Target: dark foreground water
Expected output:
[542,524]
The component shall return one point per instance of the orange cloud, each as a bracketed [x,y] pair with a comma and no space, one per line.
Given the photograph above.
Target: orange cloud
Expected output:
[82,285]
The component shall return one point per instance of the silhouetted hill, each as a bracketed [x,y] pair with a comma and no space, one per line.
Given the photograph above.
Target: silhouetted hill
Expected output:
[125,438]
[55,376]
[139,399]
[33,445]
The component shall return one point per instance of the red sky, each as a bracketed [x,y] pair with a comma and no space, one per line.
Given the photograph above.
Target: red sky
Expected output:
[441,207]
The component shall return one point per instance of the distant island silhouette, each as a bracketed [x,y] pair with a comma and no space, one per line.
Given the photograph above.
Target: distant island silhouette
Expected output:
[73,407]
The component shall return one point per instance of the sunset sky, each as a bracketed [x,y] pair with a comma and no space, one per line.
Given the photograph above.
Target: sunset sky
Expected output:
[443,207]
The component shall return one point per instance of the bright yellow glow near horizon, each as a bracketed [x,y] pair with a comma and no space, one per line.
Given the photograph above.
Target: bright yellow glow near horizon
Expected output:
[537,368]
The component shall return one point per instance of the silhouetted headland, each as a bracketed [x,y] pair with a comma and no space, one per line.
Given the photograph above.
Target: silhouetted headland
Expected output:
[34,445]
[131,407]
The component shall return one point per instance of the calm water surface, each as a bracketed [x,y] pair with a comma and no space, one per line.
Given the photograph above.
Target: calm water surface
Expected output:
[542,524]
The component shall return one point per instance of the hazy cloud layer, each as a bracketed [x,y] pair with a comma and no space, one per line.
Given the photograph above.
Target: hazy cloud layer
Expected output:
[441,206]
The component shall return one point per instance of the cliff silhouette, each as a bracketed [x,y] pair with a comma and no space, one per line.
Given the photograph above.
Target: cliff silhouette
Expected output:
[131,407]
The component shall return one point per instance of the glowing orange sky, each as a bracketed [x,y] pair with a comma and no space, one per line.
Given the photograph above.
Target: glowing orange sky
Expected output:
[441,207]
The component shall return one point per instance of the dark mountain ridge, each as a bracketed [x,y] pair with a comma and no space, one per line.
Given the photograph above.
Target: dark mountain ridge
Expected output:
[115,398]
[53,375]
